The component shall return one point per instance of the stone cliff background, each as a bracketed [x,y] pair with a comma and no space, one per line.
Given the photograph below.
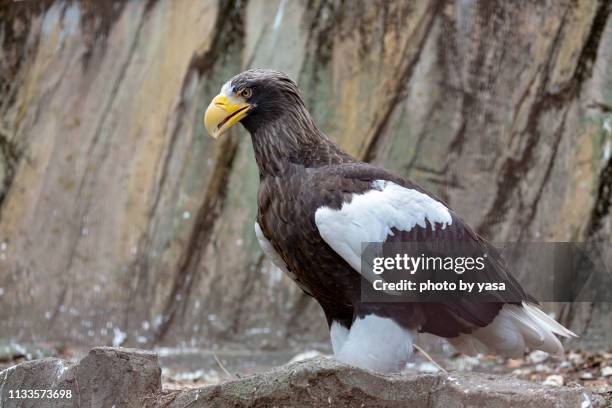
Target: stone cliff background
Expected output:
[121,222]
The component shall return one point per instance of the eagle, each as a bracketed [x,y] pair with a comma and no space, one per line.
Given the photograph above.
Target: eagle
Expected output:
[317,205]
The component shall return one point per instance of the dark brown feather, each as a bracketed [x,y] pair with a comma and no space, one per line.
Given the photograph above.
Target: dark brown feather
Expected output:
[301,170]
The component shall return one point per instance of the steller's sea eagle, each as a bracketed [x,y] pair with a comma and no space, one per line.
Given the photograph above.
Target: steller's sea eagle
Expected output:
[317,205]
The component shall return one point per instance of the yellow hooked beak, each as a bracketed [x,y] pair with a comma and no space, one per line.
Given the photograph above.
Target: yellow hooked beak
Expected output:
[222,114]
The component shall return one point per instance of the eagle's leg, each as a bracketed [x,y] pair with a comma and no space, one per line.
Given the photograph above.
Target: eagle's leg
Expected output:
[374,343]
[339,334]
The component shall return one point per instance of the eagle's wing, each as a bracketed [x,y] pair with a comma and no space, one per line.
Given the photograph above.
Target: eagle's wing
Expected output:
[394,210]
[372,216]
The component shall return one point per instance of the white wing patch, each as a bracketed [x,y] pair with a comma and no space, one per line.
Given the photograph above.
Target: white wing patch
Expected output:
[369,217]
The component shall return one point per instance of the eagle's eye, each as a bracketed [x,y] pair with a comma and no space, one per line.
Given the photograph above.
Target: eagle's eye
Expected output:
[245,93]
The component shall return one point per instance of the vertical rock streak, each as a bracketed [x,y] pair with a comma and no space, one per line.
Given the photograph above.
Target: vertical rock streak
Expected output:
[111,196]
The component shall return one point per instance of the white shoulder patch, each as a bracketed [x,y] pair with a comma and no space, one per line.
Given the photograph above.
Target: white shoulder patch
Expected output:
[371,216]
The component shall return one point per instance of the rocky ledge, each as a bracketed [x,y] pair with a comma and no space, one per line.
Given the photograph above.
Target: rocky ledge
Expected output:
[119,377]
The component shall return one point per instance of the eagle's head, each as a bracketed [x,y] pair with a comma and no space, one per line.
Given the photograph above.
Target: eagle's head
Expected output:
[254,98]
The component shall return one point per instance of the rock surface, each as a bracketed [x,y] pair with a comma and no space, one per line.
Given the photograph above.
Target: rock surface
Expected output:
[111,195]
[106,377]
[119,377]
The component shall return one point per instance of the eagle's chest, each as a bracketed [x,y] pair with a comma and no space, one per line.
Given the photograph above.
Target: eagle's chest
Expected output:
[286,215]
[287,219]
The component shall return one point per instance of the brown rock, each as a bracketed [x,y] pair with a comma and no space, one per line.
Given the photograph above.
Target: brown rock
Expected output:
[44,374]
[106,377]
[120,377]
[114,376]
[322,382]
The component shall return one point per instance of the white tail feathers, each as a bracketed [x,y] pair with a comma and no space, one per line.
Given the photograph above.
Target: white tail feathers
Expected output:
[513,330]
[554,326]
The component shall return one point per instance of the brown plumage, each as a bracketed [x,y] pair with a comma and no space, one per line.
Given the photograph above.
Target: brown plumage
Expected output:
[302,171]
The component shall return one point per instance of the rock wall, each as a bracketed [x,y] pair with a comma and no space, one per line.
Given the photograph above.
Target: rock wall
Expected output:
[121,222]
